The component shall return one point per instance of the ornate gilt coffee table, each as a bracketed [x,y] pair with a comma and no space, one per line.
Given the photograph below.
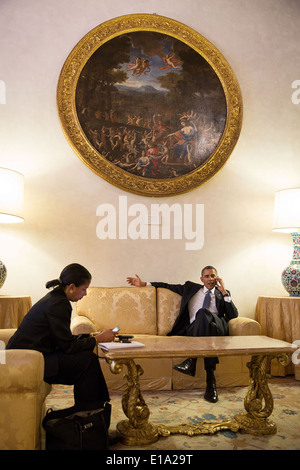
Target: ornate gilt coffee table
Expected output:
[258,402]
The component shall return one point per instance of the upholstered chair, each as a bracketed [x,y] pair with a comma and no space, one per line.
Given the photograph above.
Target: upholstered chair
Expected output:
[22,397]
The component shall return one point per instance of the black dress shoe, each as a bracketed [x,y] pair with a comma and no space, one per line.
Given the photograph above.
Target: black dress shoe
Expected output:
[187,367]
[211,393]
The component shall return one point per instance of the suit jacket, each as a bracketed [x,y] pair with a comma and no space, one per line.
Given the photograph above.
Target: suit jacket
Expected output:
[46,328]
[226,310]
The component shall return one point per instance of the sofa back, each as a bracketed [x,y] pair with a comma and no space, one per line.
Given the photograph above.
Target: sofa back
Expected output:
[133,309]
[168,305]
[136,310]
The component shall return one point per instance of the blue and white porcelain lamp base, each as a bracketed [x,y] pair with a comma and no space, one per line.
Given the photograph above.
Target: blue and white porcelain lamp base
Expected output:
[3,273]
[290,276]
[286,219]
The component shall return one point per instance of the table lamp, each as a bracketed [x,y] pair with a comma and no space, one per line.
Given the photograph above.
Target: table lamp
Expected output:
[287,219]
[11,204]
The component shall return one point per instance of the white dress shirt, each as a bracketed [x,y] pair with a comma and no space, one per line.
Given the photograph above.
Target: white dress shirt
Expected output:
[196,302]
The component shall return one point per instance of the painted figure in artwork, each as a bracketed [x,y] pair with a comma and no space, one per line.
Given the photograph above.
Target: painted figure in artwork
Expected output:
[151,105]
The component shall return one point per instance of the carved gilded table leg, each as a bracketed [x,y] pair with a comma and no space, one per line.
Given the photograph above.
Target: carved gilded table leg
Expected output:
[137,430]
[258,403]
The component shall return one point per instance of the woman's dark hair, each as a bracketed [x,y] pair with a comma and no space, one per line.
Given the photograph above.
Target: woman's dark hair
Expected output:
[72,274]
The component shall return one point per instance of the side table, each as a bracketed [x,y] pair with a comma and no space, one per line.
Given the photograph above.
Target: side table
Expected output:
[13,308]
[279,317]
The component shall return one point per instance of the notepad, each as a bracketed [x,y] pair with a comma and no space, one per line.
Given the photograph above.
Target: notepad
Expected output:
[118,345]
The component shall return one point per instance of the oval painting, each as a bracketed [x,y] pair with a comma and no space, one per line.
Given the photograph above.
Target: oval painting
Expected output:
[150,112]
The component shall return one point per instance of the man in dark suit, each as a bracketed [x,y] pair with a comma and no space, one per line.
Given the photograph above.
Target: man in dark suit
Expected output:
[204,311]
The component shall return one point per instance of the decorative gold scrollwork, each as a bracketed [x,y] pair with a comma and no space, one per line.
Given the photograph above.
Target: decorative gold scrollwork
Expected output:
[284,359]
[200,428]
[258,403]
[136,430]
[93,156]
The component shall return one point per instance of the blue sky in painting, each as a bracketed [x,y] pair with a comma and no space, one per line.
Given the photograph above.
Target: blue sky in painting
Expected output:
[149,77]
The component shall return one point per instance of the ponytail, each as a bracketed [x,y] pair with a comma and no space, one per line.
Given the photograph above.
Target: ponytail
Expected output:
[71,274]
[53,283]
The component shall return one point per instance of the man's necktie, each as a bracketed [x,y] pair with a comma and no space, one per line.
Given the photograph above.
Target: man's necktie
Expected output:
[207,300]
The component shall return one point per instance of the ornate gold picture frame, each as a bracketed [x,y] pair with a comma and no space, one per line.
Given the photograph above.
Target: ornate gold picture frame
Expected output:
[149,105]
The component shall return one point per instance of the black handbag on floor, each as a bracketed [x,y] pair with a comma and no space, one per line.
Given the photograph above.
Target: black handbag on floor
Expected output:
[77,430]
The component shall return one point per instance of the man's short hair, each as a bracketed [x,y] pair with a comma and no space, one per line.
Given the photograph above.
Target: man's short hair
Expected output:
[208,267]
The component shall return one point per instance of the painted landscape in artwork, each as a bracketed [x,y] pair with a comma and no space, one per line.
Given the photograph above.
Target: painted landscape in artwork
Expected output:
[151,105]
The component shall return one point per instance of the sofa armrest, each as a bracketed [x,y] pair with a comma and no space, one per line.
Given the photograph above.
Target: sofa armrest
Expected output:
[242,326]
[22,399]
[22,371]
[6,333]
[82,325]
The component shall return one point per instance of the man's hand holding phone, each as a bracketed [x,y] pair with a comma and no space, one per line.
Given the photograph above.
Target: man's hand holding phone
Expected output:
[220,285]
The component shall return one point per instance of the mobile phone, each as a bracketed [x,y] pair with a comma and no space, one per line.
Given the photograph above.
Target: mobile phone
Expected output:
[116,329]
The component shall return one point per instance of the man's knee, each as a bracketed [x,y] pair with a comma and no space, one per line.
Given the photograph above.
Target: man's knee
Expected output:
[204,315]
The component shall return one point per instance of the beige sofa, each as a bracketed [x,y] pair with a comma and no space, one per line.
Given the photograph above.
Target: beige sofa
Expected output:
[22,397]
[150,311]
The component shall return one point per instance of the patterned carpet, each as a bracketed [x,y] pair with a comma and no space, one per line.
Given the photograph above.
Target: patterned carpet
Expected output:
[188,406]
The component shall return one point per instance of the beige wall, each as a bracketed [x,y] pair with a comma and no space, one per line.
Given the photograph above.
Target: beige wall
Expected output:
[259,40]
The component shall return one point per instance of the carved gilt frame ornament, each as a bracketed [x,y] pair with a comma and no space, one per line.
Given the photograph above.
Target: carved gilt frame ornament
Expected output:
[149,105]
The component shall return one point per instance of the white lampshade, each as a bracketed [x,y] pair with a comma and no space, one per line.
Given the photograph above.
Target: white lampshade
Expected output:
[287,211]
[11,196]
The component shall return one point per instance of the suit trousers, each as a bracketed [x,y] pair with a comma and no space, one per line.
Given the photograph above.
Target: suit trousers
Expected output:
[82,370]
[206,324]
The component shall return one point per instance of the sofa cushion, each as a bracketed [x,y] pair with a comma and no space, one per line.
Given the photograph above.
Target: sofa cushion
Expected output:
[133,310]
[157,375]
[168,305]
